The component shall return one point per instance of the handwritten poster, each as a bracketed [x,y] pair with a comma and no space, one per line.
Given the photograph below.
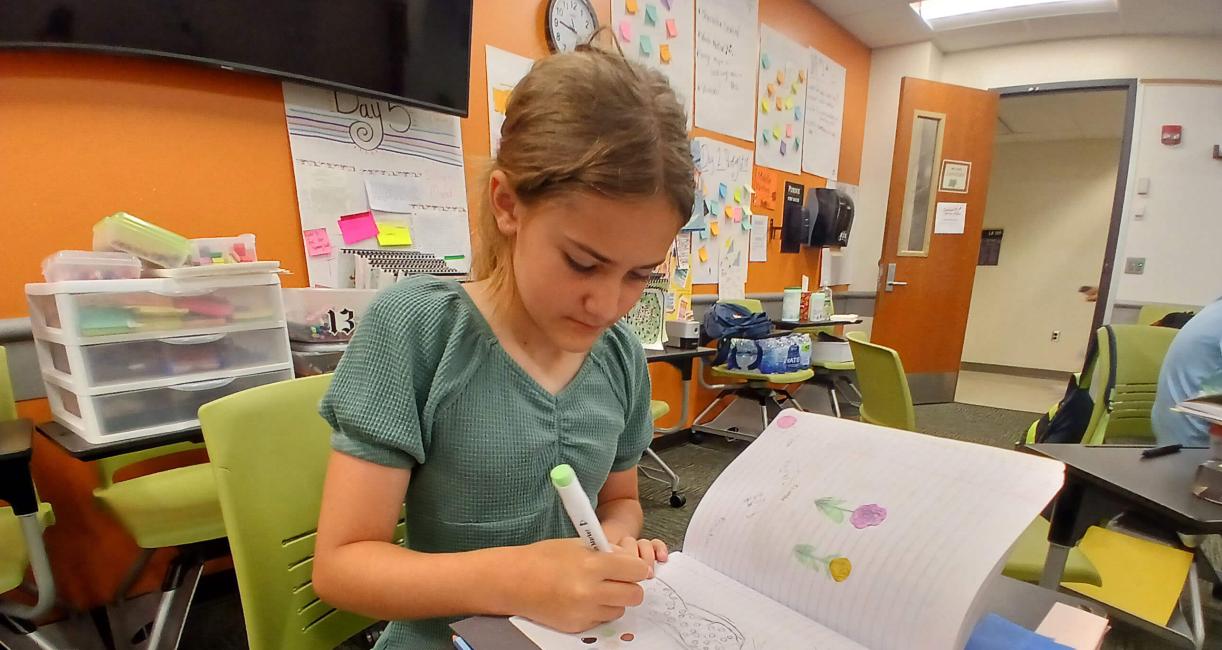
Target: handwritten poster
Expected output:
[660,34]
[505,70]
[825,116]
[949,218]
[759,238]
[781,102]
[766,184]
[726,41]
[346,148]
[720,250]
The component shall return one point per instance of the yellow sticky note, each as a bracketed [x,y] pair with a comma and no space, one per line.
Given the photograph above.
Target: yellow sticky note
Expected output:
[630,6]
[704,254]
[738,196]
[789,103]
[764,105]
[664,52]
[776,133]
[500,99]
[394,234]
[714,228]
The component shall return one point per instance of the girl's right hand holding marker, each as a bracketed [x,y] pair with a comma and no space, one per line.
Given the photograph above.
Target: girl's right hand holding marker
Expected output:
[568,587]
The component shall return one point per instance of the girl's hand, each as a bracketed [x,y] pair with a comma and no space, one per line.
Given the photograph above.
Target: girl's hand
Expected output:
[568,587]
[650,550]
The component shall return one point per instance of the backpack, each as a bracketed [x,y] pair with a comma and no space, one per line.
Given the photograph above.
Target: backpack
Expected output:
[1066,422]
[726,321]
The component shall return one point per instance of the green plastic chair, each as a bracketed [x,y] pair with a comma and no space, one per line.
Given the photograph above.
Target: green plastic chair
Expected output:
[829,373]
[885,398]
[886,401]
[662,473]
[1155,311]
[754,386]
[1123,414]
[269,450]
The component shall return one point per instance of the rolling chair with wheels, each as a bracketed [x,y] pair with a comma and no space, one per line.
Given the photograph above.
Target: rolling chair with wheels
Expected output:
[886,401]
[21,546]
[269,448]
[749,386]
[658,409]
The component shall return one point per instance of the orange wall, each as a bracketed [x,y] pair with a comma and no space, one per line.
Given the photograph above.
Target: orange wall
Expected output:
[205,152]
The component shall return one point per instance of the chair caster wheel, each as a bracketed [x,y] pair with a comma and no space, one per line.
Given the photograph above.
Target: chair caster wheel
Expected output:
[696,437]
[677,500]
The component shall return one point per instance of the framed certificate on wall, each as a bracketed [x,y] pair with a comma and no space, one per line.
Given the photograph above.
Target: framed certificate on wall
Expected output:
[956,174]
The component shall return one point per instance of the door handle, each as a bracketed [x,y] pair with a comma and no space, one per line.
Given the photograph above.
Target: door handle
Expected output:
[891,281]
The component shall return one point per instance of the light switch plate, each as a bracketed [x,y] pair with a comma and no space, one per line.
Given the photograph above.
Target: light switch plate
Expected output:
[1143,185]
[1139,212]
[1135,265]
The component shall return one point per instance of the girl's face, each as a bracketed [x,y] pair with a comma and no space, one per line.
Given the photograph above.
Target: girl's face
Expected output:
[582,260]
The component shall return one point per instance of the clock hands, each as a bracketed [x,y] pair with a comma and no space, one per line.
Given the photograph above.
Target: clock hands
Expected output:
[570,27]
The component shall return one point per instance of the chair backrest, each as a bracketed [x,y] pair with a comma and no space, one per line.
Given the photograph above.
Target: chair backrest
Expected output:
[1153,312]
[268,448]
[8,406]
[108,467]
[885,398]
[1123,411]
[752,304]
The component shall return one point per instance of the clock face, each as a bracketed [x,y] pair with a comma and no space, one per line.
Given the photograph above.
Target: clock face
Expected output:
[570,23]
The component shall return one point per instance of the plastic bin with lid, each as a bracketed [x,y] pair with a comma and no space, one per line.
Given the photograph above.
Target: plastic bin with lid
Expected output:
[223,250]
[128,414]
[325,315]
[66,266]
[311,359]
[152,362]
[124,232]
[122,310]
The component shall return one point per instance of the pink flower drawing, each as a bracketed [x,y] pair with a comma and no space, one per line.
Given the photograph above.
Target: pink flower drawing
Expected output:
[868,515]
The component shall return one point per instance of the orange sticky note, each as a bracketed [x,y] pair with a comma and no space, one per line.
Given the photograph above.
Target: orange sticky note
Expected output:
[664,52]
[780,76]
[780,104]
[729,211]
[802,75]
[704,254]
[630,6]
[500,99]
[672,30]
[771,89]
[714,228]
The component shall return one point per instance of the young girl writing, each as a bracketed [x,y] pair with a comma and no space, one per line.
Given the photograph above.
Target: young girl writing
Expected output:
[463,397]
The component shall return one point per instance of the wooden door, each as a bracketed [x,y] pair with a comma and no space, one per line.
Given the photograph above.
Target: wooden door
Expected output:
[925,276]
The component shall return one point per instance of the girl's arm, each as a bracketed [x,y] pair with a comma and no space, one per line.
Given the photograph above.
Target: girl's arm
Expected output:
[358,568]
[619,510]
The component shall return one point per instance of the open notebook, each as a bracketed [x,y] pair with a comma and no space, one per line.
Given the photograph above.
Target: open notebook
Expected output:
[827,533]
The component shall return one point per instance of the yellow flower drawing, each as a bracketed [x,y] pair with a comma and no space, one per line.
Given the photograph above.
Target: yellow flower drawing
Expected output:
[840,568]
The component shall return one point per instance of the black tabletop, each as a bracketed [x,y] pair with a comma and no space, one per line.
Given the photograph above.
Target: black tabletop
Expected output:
[795,324]
[671,353]
[82,449]
[1161,485]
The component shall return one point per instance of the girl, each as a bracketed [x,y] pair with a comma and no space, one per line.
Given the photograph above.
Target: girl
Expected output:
[463,397]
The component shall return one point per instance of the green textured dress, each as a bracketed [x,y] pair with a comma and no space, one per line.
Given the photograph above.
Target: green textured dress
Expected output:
[426,385]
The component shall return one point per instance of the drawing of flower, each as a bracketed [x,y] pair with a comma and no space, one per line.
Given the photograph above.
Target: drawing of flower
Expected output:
[861,517]
[840,568]
[868,515]
[837,567]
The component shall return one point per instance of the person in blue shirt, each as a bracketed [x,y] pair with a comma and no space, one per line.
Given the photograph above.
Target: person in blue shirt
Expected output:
[1193,365]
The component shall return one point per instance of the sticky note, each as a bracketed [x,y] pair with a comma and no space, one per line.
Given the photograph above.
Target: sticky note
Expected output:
[797,113]
[630,6]
[708,206]
[317,242]
[795,87]
[789,130]
[625,30]
[783,148]
[394,234]
[667,3]
[764,105]
[802,75]
[500,99]
[776,133]
[704,254]
[723,191]
[738,196]
[797,142]
[764,135]
[771,89]
[358,227]
[746,224]
[780,103]
[714,228]
[750,190]
[704,232]
[738,213]
[729,211]
[780,76]
[764,61]
[664,52]
[651,14]
[646,45]
[788,103]
[672,30]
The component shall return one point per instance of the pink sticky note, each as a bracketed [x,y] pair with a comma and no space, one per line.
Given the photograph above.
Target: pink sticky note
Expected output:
[625,30]
[358,227]
[672,30]
[317,242]
[789,130]
[738,214]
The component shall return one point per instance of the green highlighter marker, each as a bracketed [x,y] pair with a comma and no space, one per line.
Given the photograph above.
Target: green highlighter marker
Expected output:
[578,507]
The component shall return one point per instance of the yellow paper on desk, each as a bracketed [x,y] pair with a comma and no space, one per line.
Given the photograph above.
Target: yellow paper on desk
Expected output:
[394,234]
[1139,577]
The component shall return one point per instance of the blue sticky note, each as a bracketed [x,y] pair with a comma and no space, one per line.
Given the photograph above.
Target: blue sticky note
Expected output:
[764,134]
[746,224]
[996,633]
[797,142]
[704,233]
[764,61]
[708,206]
[651,14]
[646,45]
[797,112]
[723,191]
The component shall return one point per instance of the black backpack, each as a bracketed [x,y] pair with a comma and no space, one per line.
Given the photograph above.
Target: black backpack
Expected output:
[1067,421]
[725,321]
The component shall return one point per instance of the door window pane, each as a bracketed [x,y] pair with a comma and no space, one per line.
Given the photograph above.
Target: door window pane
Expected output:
[923,155]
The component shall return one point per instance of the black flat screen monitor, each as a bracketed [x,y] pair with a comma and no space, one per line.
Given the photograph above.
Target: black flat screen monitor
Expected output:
[413,51]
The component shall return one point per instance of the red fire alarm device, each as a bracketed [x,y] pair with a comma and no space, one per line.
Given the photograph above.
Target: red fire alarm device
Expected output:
[1172,134]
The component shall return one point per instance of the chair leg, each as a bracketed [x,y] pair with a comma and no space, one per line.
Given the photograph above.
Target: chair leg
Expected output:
[716,400]
[1198,616]
[676,497]
[831,392]
[133,573]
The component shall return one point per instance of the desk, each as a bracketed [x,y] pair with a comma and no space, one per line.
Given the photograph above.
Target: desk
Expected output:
[82,449]
[1102,481]
[682,359]
[1019,602]
[788,325]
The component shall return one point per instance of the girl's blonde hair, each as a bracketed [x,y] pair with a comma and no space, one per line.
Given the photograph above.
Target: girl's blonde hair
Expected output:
[589,121]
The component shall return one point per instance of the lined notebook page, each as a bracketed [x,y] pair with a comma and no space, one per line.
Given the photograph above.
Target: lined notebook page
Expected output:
[882,535]
[688,607]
